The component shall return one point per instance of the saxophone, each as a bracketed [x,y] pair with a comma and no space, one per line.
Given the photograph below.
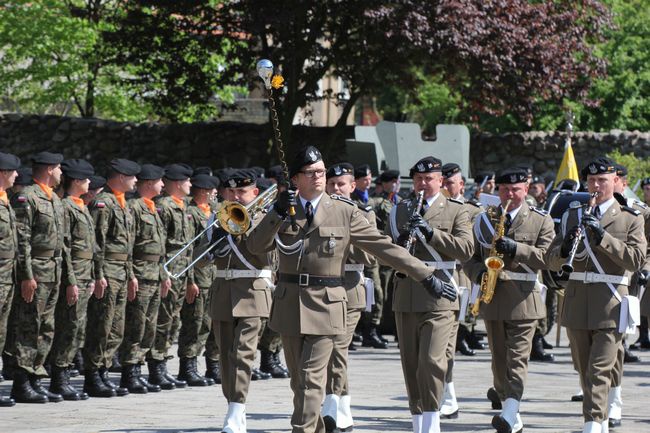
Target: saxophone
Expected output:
[494,264]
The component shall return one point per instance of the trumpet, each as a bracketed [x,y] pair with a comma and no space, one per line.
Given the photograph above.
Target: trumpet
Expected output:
[232,218]
[568,265]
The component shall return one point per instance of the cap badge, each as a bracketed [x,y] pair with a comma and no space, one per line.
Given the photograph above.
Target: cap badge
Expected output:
[592,168]
[312,156]
[232,183]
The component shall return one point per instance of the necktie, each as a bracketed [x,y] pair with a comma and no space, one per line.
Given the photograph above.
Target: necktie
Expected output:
[597,212]
[425,206]
[309,213]
[508,222]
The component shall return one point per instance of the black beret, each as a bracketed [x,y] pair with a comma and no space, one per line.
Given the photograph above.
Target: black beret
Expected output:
[24,177]
[151,172]
[645,181]
[450,169]
[567,184]
[97,182]
[527,168]
[537,179]
[263,184]
[362,170]
[259,171]
[621,170]
[389,175]
[305,156]
[9,161]
[484,175]
[512,175]
[204,181]
[77,169]
[340,169]
[240,178]
[601,165]
[428,164]
[178,172]
[274,172]
[125,166]
[203,170]
[222,174]
[47,158]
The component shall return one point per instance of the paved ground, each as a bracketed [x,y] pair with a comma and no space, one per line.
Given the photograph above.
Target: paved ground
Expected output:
[378,402]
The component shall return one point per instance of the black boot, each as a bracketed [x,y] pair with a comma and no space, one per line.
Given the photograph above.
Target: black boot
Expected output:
[95,386]
[257,374]
[546,345]
[212,370]
[143,380]
[7,401]
[35,382]
[8,366]
[371,339]
[129,380]
[537,352]
[278,361]
[628,356]
[22,390]
[268,365]
[461,342]
[473,339]
[60,384]
[187,373]
[120,391]
[116,367]
[157,375]
[177,382]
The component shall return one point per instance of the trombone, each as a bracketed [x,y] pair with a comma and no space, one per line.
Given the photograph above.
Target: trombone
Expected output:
[233,218]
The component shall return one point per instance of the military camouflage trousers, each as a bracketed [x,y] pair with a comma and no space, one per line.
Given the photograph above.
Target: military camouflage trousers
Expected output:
[140,323]
[105,325]
[195,325]
[168,312]
[33,328]
[70,328]
[6,292]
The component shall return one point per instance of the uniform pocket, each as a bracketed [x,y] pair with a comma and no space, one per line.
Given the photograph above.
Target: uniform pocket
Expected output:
[336,294]
[330,240]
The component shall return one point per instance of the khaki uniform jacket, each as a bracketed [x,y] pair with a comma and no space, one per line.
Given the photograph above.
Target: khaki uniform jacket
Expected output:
[621,252]
[179,230]
[354,281]
[452,240]
[41,224]
[148,243]
[473,210]
[240,297]
[533,231]
[337,225]
[8,243]
[81,241]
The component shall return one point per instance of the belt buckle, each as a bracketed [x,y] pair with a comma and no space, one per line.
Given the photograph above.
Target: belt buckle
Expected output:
[229,274]
[588,278]
[303,280]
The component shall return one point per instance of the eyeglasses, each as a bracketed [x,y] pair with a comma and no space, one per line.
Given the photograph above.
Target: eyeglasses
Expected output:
[312,173]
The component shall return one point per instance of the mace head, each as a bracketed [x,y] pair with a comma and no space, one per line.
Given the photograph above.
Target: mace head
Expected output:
[265,71]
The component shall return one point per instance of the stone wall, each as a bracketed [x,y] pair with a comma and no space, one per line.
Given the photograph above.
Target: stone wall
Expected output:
[224,144]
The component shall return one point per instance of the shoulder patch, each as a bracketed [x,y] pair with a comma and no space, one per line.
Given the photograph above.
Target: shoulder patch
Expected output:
[455,200]
[343,199]
[631,210]
[21,199]
[538,210]
[100,204]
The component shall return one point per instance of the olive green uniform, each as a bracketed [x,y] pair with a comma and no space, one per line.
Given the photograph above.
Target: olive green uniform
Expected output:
[8,246]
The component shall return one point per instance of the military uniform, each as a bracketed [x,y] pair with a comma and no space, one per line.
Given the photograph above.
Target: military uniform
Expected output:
[592,304]
[511,317]
[424,323]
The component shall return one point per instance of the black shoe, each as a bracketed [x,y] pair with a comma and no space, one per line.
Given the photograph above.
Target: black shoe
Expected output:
[577,397]
[157,375]
[613,423]
[94,385]
[352,347]
[453,415]
[212,370]
[268,365]
[371,339]
[501,425]
[330,424]
[143,380]
[278,361]
[629,357]
[537,351]
[546,345]
[60,384]
[463,348]
[493,396]
[178,383]
[35,382]
[187,372]
[73,372]
[22,391]
[263,375]
[473,339]
[7,401]
[129,380]
[357,338]
[116,367]
[120,391]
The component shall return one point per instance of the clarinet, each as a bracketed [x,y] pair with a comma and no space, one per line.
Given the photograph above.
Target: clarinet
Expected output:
[410,242]
[568,265]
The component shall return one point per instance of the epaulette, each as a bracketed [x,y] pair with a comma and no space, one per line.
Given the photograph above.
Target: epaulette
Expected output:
[364,207]
[474,203]
[455,200]
[343,199]
[639,203]
[620,198]
[631,210]
[542,212]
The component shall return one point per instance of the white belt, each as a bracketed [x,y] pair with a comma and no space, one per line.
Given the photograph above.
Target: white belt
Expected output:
[441,265]
[595,277]
[353,267]
[231,274]
[518,276]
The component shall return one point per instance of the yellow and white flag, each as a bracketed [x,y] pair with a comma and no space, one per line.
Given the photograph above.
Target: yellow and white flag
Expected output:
[568,168]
